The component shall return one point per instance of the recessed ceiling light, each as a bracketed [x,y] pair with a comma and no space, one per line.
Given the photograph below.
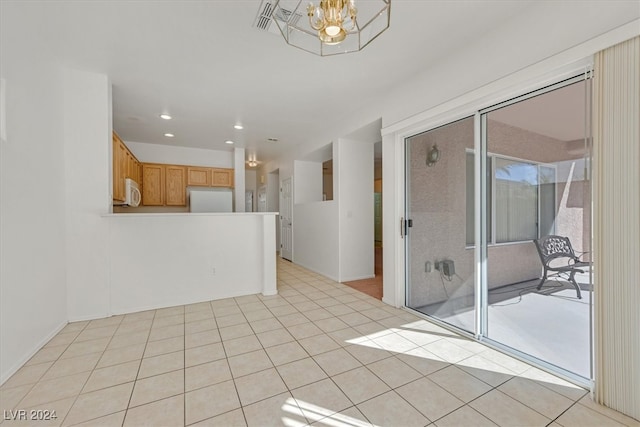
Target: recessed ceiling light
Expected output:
[228,142]
[169,135]
[165,116]
[239,127]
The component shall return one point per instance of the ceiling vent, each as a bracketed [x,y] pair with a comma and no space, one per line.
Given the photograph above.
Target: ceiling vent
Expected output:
[266,15]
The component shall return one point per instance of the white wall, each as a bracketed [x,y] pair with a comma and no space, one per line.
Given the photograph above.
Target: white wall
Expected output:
[87,149]
[315,237]
[33,294]
[307,185]
[156,153]
[165,260]
[353,167]
[335,238]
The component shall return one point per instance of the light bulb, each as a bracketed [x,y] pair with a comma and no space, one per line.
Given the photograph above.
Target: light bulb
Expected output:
[332,30]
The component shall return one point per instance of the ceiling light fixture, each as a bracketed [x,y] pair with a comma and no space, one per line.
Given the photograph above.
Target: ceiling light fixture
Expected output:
[165,116]
[252,163]
[333,26]
[169,135]
[238,126]
[228,141]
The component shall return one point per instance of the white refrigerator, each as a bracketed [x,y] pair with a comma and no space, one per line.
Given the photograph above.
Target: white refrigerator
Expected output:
[210,200]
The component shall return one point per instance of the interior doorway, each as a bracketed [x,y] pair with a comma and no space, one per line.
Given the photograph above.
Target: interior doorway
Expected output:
[373,286]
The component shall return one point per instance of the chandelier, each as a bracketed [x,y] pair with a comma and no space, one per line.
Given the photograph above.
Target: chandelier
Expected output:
[332,26]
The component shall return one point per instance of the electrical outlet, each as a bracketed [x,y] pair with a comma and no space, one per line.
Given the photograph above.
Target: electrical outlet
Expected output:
[427,267]
[213,270]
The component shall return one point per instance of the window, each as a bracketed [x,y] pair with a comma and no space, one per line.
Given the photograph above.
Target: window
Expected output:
[520,199]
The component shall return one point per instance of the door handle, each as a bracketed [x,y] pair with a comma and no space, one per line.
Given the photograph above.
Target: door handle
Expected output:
[404,226]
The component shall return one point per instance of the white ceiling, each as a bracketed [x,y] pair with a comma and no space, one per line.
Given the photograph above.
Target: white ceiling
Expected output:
[559,114]
[204,63]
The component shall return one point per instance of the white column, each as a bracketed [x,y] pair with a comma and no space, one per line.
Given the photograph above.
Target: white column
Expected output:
[238,179]
[87,148]
[269,255]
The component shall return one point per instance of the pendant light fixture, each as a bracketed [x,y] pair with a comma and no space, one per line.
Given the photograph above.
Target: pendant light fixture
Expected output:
[331,27]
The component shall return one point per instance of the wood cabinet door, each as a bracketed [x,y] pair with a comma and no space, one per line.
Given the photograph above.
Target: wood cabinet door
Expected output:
[222,177]
[199,177]
[131,169]
[118,182]
[175,187]
[122,160]
[153,189]
[124,165]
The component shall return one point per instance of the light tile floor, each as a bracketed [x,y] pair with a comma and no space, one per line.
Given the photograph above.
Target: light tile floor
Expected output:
[319,353]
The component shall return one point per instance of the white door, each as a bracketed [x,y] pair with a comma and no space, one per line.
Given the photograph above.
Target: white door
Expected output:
[286,243]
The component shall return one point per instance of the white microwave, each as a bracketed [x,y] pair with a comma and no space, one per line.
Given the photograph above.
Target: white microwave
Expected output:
[132,196]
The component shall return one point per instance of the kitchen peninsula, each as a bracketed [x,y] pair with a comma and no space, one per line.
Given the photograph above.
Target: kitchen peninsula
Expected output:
[160,260]
[160,254]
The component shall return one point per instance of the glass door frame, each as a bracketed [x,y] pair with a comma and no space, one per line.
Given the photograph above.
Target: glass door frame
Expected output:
[481,306]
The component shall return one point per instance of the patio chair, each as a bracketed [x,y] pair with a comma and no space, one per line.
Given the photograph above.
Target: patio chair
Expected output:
[552,250]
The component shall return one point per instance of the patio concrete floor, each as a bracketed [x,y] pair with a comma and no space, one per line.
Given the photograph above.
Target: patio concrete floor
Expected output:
[551,324]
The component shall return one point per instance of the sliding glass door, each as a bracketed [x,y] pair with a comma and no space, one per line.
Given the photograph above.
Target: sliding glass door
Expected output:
[538,149]
[530,164]
[441,257]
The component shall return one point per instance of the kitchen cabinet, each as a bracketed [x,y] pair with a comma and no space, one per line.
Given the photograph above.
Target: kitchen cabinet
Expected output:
[132,167]
[198,177]
[209,177]
[125,165]
[222,177]
[164,185]
[140,174]
[153,176]
[175,186]
[118,177]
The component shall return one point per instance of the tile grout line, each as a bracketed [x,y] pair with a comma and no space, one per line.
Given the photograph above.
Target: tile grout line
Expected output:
[135,380]
[52,363]
[87,380]
[308,282]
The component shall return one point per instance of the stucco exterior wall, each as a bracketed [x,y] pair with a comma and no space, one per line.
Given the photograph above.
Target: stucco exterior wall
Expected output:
[438,208]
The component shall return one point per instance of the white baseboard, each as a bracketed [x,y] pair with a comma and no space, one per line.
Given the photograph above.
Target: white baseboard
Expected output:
[335,279]
[353,279]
